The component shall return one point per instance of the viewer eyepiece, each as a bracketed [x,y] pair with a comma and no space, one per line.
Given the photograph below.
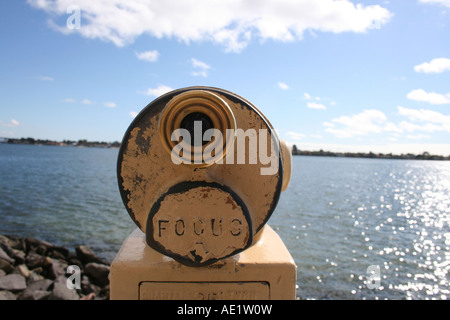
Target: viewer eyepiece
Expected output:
[200,119]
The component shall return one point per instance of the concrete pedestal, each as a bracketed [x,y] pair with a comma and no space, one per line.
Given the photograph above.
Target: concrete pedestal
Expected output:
[265,271]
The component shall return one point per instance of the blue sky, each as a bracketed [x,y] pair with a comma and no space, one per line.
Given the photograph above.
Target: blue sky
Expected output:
[333,75]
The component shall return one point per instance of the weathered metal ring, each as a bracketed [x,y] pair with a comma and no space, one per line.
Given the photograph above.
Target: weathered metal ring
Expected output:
[183,224]
[200,101]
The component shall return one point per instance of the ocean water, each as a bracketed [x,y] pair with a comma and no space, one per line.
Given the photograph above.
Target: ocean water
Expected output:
[356,228]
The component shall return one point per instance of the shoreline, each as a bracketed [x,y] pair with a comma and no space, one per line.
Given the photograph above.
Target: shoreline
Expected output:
[32,269]
[64,143]
[295,152]
[409,156]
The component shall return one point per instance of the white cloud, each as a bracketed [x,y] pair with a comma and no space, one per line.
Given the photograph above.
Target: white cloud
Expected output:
[199,64]
[438,65]
[89,102]
[418,137]
[45,78]
[317,106]
[295,136]
[429,120]
[86,101]
[283,86]
[201,68]
[229,23]
[413,127]
[375,122]
[445,3]
[10,124]
[430,97]
[418,125]
[364,123]
[158,91]
[110,104]
[150,56]
[422,115]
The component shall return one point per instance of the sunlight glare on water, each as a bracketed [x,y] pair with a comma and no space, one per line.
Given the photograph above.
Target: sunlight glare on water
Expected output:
[346,216]
[356,228]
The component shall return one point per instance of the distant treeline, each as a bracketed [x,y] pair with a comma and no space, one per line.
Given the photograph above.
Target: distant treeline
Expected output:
[423,156]
[79,143]
[295,150]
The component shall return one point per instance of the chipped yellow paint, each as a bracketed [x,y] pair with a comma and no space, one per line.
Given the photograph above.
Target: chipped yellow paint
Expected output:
[205,102]
[211,216]
[264,271]
[286,153]
[200,224]
[147,172]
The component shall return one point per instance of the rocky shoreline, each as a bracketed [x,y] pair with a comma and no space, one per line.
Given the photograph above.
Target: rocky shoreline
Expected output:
[32,269]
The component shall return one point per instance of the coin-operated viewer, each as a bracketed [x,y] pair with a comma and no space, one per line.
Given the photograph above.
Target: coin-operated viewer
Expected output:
[200,171]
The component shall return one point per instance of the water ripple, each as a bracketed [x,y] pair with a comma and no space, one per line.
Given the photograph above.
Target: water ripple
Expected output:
[356,228]
[358,214]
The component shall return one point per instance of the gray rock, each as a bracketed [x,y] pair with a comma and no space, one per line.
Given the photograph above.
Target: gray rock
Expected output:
[98,272]
[13,282]
[5,266]
[40,249]
[4,240]
[5,245]
[59,252]
[36,290]
[43,267]
[87,287]
[38,271]
[56,254]
[6,295]
[22,269]
[11,242]
[85,254]
[34,276]
[34,260]
[42,285]
[19,256]
[5,256]
[61,279]
[61,292]
[58,268]
[38,246]
[34,295]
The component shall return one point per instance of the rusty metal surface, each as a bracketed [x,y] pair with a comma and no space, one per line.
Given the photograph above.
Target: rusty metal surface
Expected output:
[199,223]
[146,173]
